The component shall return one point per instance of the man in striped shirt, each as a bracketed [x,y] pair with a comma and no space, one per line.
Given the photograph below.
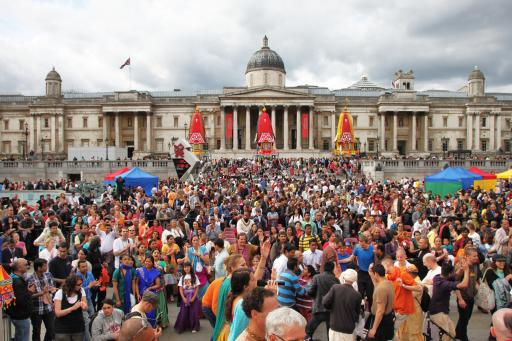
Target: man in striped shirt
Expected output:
[306,239]
[291,288]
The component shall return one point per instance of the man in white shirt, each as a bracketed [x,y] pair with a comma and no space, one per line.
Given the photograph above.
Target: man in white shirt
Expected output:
[429,260]
[280,264]
[107,237]
[244,225]
[313,256]
[421,225]
[123,245]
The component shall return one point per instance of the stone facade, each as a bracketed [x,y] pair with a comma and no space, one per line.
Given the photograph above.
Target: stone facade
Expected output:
[398,120]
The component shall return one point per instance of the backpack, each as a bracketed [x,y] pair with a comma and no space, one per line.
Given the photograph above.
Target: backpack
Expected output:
[91,320]
[425,300]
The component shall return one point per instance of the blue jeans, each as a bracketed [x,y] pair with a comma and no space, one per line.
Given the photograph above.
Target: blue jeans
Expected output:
[21,329]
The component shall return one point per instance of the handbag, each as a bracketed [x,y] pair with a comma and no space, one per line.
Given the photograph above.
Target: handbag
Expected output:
[485,296]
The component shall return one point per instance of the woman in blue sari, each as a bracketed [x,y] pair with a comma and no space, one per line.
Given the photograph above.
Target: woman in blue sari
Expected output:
[148,278]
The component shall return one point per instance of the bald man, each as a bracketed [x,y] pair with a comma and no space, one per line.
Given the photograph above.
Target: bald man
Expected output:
[502,324]
[138,329]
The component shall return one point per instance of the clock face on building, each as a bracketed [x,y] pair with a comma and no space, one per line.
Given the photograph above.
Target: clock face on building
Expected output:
[181,166]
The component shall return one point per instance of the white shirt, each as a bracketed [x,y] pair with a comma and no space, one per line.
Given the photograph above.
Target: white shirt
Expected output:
[280,264]
[165,233]
[314,259]
[120,244]
[107,240]
[429,277]
[243,227]
[48,255]
[70,299]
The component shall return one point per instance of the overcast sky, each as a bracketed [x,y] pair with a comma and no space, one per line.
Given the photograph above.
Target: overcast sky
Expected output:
[196,44]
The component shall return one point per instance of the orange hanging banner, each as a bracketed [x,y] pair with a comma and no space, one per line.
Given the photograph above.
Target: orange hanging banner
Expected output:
[305,125]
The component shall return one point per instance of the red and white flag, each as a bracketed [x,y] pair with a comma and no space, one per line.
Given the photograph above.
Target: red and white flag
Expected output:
[126,63]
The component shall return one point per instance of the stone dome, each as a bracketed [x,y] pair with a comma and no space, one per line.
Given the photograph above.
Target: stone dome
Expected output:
[53,76]
[476,74]
[265,59]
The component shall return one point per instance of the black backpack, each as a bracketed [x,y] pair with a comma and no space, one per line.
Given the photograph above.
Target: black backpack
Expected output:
[91,320]
[425,300]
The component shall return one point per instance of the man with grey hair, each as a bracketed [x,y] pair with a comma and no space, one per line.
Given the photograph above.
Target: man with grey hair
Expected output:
[502,324]
[344,302]
[285,324]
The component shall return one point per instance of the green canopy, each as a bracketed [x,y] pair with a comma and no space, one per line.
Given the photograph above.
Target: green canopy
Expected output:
[443,188]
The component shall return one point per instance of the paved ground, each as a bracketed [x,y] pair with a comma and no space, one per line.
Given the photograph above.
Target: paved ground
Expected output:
[478,329]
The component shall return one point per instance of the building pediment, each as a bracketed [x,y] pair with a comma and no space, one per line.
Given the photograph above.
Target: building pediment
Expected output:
[267,96]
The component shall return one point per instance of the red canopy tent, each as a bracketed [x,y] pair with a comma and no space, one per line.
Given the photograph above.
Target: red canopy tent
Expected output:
[109,178]
[197,135]
[265,134]
[484,174]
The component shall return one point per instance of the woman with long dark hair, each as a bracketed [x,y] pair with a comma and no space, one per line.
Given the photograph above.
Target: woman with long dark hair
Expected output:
[70,302]
[98,294]
[148,278]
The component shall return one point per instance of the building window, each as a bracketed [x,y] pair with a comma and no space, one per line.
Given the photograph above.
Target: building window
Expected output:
[400,122]
[84,142]
[484,145]
[159,145]
[176,121]
[326,121]
[371,145]
[22,124]
[445,122]
[506,145]
[100,122]
[445,143]
[6,124]
[99,142]
[70,122]
[84,122]
[430,144]
[484,122]
[507,123]
[46,123]
[461,121]
[70,143]
[430,122]
[21,145]
[159,122]
[218,143]
[326,144]
[372,121]
[218,120]
[6,147]
[386,145]
[130,122]
[354,121]
[460,143]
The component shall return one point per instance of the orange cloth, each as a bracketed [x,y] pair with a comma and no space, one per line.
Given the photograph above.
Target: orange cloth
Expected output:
[404,303]
[211,296]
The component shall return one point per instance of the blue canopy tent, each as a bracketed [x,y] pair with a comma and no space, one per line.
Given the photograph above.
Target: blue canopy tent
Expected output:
[467,178]
[137,177]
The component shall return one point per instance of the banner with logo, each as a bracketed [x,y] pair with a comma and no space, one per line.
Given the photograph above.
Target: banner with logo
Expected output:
[305,125]
[229,125]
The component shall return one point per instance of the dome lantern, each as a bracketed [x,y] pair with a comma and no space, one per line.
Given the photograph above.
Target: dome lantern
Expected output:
[53,84]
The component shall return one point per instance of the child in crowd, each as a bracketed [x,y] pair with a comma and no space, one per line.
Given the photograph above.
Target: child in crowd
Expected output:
[190,309]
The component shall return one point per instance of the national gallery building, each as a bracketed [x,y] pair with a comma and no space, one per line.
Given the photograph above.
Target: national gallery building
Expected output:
[398,120]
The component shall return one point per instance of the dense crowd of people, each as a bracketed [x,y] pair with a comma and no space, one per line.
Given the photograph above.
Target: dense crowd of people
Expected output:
[260,250]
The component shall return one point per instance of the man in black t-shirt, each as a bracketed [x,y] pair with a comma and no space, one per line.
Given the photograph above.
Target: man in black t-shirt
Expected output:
[60,266]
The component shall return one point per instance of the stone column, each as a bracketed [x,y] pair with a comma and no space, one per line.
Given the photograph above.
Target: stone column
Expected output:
[106,125]
[476,145]
[319,138]
[248,128]
[492,131]
[333,127]
[498,131]
[53,134]
[222,128]
[39,136]
[395,131]
[235,128]
[299,133]
[149,130]
[413,136]
[425,133]
[61,133]
[136,137]
[273,120]
[117,130]
[382,131]
[310,132]
[285,128]
[469,130]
